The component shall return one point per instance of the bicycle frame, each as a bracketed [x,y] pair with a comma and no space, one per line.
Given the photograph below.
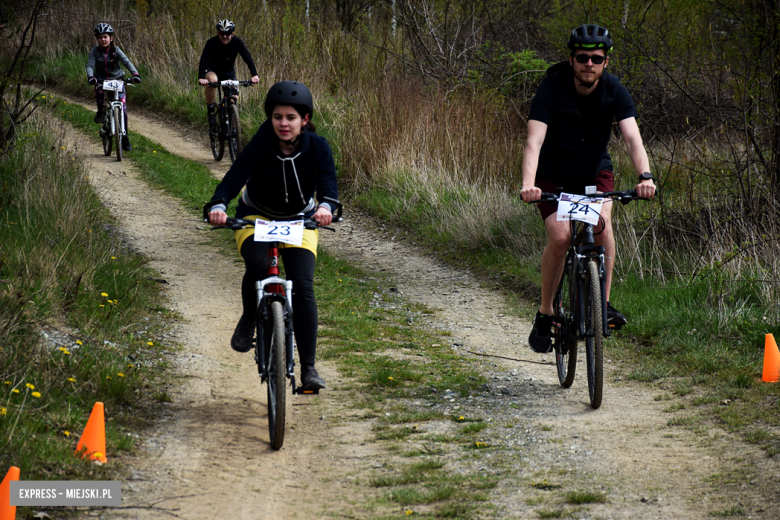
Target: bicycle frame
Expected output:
[583,248]
[116,102]
[270,289]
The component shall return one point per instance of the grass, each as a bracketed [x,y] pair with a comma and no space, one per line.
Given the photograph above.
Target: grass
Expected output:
[67,276]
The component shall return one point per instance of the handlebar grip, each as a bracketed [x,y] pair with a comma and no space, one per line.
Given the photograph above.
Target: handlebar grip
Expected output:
[339,209]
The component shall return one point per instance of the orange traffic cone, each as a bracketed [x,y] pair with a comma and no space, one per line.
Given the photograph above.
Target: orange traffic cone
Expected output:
[7,511]
[771,360]
[93,440]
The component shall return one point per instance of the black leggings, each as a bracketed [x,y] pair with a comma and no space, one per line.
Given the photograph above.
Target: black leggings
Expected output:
[298,267]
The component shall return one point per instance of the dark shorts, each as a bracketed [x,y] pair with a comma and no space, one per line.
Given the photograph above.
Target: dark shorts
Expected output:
[605,181]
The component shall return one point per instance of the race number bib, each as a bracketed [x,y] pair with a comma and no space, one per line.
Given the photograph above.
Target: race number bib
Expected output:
[579,207]
[289,232]
[112,84]
[230,83]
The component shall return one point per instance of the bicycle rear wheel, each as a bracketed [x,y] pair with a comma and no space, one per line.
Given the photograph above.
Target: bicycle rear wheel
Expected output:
[234,135]
[276,377]
[594,335]
[565,344]
[118,132]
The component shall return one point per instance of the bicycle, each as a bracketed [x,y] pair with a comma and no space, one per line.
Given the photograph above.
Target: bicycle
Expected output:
[228,127]
[274,334]
[580,302]
[113,128]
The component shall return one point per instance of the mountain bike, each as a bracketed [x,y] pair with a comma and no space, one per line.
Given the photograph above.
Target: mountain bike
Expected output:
[274,334]
[580,302]
[113,128]
[228,127]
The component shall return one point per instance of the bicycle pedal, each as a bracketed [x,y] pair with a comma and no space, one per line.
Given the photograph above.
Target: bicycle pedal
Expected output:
[300,391]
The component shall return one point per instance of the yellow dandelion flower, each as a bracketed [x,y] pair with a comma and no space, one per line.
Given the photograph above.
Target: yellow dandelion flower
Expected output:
[104,295]
[30,386]
[66,433]
[390,378]
[63,349]
[102,305]
[154,151]
[3,411]
[150,343]
[7,382]
[130,366]
[72,379]
[15,390]
[78,342]
[409,512]
[36,394]
[66,353]
[461,418]
[479,444]
[108,377]
[120,374]
[62,147]
[113,258]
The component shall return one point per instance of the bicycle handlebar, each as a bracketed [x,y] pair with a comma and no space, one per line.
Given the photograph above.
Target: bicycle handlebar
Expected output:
[623,196]
[230,83]
[240,223]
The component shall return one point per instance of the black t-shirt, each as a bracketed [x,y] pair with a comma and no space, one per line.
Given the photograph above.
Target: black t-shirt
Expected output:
[222,58]
[578,127]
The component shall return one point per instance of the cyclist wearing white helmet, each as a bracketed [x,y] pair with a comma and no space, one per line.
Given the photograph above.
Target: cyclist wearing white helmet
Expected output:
[217,63]
[104,63]
[568,131]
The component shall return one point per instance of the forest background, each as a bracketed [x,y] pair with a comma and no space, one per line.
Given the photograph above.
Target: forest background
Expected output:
[425,104]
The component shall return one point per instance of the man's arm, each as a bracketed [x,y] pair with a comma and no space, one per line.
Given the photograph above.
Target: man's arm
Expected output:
[636,150]
[537,131]
[246,56]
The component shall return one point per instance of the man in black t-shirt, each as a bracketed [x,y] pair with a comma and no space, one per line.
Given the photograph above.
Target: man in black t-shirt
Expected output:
[217,63]
[568,131]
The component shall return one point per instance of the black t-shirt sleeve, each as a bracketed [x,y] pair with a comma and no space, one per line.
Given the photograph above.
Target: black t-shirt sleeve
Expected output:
[543,104]
[624,104]
[205,58]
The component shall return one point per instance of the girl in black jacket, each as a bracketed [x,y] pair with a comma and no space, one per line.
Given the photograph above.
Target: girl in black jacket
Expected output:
[281,169]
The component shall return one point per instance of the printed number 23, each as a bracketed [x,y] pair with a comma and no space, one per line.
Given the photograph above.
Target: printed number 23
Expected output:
[283,230]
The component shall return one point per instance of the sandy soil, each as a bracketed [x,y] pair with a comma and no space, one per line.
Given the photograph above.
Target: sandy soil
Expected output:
[209,454]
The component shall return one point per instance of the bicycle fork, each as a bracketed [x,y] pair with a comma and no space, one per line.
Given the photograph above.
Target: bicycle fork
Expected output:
[278,290]
[583,255]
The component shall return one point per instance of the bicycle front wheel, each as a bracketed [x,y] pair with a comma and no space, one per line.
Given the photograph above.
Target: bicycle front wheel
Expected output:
[594,335]
[234,136]
[217,143]
[108,140]
[118,132]
[276,377]
[565,305]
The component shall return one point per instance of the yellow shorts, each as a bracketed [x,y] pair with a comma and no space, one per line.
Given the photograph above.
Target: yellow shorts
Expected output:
[310,237]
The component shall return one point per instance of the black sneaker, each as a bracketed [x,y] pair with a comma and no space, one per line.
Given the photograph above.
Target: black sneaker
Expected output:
[100,117]
[540,339]
[126,146]
[615,320]
[243,335]
[211,113]
[310,379]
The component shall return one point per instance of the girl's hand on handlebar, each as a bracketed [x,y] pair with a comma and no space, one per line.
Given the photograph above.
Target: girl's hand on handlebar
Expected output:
[530,193]
[217,218]
[323,216]
[203,82]
[646,189]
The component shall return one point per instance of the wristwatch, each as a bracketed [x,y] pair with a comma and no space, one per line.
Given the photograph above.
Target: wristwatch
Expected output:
[647,176]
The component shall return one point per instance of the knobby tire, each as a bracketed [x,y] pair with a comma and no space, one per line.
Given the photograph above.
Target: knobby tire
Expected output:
[276,377]
[108,139]
[565,344]
[234,139]
[594,340]
[118,132]
[217,143]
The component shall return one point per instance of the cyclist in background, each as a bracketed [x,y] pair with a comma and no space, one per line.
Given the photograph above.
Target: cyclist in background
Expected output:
[281,169]
[217,63]
[104,63]
[568,131]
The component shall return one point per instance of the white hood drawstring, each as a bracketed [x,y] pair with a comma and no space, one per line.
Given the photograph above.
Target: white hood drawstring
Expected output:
[295,172]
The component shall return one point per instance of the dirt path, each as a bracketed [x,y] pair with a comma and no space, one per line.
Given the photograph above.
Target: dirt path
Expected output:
[209,455]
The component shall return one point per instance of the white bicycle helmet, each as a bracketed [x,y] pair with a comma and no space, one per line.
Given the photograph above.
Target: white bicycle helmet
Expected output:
[103,28]
[226,26]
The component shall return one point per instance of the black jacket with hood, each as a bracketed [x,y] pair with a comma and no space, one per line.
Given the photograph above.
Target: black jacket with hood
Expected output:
[277,186]
[575,147]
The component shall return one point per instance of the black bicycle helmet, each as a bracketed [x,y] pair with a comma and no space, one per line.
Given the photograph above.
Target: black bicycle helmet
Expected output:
[590,37]
[289,93]
[103,28]
[226,26]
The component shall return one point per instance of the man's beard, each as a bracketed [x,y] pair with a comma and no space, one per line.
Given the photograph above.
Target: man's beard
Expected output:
[587,84]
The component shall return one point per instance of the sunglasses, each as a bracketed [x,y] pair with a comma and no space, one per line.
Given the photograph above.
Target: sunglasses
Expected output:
[583,58]
[231,32]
